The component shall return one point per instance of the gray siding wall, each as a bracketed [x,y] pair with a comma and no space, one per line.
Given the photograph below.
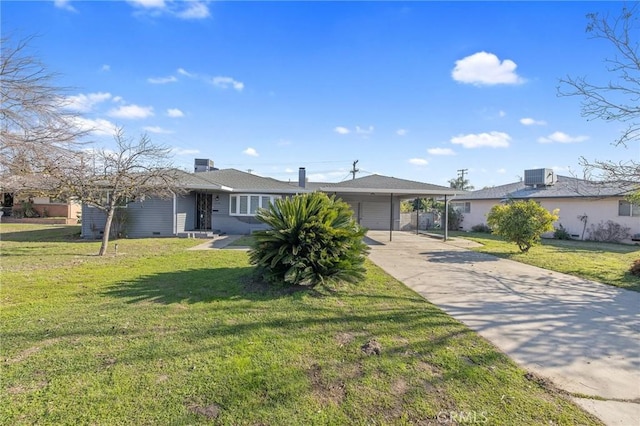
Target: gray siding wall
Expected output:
[223,222]
[151,218]
[186,212]
[92,223]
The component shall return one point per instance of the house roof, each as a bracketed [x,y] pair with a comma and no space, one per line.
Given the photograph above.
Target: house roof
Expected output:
[565,187]
[378,184]
[232,180]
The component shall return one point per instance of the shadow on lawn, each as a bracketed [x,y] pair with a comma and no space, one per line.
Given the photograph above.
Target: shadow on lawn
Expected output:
[62,233]
[200,285]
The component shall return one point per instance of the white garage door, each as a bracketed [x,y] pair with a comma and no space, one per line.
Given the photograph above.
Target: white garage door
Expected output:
[375,216]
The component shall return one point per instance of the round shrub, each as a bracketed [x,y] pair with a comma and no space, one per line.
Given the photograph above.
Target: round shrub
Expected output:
[521,222]
[313,239]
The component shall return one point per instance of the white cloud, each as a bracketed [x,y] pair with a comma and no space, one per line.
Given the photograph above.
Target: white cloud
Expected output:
[289,170]
[402,132]
[227,82]
[186,73]
[367,131]
[250,152]
[342,130]
[441,151]
[158,130]
[484,68]
[284,142]
[131,112]
[182,9]
[328,176]
[502,114]
[117,99]
[85,102]
[491,139]
[175,113]
[162,80]
[194,10]
[181,151]
[527,121]
[105,68]
[501,171]
[560,137]
[64,4]
[418,161]
[148,4]
[97,126]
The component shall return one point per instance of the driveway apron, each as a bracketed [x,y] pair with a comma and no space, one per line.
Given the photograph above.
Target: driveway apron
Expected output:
[584,336]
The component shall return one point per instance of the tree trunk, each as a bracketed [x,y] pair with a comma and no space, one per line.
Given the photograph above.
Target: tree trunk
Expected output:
[107,231]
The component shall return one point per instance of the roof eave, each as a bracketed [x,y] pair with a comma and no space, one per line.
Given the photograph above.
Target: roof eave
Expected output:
[380,191]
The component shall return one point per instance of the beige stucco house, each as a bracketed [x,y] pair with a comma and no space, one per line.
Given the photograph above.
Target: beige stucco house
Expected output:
[581,203]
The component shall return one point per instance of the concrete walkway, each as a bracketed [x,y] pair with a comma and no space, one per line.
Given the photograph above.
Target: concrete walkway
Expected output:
[582,335]
[219,242]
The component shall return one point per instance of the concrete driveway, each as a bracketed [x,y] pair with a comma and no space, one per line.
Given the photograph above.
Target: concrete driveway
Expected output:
[582,335]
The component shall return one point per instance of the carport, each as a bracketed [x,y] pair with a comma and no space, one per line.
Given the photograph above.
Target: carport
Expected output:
[375,199]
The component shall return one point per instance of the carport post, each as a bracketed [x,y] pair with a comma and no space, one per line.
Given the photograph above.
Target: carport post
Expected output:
[446,218]
[391,217]
[419,203]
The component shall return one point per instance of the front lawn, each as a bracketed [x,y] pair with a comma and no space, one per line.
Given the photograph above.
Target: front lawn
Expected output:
[160,335]
[601,262]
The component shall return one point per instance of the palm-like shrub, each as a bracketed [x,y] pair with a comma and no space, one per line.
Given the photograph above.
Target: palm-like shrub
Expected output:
[313,239]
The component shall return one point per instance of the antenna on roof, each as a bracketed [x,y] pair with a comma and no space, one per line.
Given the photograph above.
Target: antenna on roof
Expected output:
[354,170]
[249,171]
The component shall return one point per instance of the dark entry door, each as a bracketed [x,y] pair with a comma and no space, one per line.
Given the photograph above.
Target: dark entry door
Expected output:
[203,211]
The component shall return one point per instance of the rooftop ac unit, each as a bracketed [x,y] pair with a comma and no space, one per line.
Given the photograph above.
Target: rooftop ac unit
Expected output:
[539,177]
[203,165]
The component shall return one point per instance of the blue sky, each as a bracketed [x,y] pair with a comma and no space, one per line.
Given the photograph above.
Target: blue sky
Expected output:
[414,90]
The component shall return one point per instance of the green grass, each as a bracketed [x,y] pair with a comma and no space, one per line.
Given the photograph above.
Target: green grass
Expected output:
[244,241]
[161,335]
[601,262]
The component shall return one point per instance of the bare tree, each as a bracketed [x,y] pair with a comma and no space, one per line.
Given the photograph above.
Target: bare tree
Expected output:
[110,179]
[615,100]
[34,125]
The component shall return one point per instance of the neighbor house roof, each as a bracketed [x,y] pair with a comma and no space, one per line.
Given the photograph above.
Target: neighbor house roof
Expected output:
[564,187]
[377,184]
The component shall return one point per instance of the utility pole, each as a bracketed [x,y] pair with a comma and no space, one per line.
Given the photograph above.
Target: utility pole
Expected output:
[354,170]
[461,173]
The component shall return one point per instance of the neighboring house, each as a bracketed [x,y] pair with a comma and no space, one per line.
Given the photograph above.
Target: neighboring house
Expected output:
[17,208]
[226,201]
[580,202]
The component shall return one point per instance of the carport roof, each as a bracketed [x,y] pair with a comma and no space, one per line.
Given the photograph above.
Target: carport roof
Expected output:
[377,184]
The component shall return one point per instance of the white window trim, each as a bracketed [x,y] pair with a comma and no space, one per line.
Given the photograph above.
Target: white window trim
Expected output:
[462,206]
[633,209]
[272,199]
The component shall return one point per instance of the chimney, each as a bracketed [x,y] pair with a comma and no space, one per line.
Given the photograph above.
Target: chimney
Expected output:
[302,177]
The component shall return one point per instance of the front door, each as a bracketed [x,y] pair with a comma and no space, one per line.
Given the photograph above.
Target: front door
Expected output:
[203,211]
